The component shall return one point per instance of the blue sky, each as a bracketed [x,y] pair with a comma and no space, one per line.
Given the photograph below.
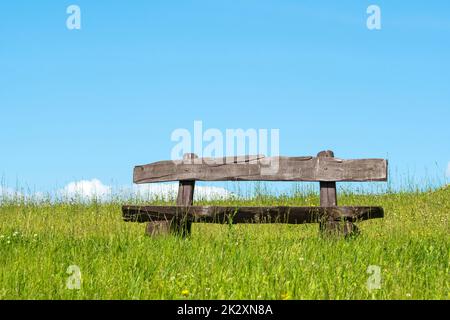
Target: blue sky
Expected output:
[92,103]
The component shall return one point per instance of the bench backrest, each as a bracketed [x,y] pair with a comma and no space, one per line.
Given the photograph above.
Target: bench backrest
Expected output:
[323,168]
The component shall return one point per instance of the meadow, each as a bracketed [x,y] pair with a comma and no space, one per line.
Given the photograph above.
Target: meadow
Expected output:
[411,246]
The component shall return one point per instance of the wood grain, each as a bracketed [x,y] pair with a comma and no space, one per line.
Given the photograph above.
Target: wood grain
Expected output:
[328,196]
[185,198]
[180,225]
[224,214]
[258,168]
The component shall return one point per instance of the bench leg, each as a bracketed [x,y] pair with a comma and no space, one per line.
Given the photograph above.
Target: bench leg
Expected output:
[181,228]
[178,226]
[163,228]
[328,198]
[338,228]
[157,228]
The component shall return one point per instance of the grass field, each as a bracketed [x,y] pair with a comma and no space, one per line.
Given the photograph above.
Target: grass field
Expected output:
[39,241]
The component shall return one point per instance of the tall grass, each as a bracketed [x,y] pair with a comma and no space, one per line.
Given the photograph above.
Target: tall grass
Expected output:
[39,240]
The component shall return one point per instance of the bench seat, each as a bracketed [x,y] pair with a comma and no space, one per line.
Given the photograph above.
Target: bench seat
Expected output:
[234,214]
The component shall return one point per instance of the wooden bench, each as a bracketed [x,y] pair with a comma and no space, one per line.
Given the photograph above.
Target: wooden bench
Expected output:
[324,168]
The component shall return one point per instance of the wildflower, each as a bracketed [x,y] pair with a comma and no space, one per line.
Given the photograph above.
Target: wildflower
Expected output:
[16,233]
[285,296]
[408,295]
[185,292]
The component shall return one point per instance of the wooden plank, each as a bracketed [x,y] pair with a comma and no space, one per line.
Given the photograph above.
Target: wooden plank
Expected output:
[185,197]
[222,160]
[186,187]
[186,193]
[176,225]
[157,228]
[328,196]
[264,169]
[223,214]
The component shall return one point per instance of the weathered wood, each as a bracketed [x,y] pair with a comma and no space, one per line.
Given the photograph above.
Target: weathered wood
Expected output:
[336,228]
[186,193]
[180,225]
[221,160]
[157,228]
[328,197]
[185,197]
[230,214]
[324,168]
[261,168]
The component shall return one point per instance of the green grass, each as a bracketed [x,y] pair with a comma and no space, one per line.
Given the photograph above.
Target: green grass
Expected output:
[38,242]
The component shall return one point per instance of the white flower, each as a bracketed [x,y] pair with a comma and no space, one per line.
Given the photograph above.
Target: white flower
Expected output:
[16,233]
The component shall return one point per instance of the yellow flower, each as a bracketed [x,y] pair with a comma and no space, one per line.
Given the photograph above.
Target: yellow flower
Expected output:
[185,292]
[285,296]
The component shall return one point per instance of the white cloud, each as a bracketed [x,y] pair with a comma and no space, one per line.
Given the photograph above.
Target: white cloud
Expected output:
[85,190]
[8,192]
[154,190]
[211,193]
[169,191]
[95,189]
